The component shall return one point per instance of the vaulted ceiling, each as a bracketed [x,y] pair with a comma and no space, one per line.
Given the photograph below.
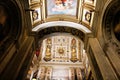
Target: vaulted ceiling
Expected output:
[78,11]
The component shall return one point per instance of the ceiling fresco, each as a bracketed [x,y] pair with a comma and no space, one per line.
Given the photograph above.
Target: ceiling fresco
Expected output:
[79,11]
[67,7]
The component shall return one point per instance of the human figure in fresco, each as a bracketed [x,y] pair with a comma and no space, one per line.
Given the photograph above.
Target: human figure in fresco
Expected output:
[63,2]
[88,16]
[58,6]
[35,15]
[68,4]
[61,5]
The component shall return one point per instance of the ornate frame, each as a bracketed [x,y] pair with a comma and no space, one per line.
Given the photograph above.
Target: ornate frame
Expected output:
[87,16]
[36,14]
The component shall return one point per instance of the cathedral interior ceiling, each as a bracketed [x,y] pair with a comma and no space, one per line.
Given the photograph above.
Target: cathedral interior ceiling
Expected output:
[78,11]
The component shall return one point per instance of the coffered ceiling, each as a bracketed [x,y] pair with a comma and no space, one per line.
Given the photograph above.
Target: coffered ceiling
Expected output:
[78,11]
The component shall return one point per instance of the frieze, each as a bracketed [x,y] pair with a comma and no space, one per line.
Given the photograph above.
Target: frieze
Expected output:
[65,29]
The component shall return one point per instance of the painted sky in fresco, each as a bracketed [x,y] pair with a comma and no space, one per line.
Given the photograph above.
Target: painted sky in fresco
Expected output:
[67,7]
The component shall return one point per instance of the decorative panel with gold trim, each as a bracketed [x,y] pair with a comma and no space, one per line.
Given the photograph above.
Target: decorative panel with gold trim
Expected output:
[87,17]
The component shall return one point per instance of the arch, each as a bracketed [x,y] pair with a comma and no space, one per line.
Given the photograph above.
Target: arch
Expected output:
[111,19]
[108,21]
[12,27]
[108,25]
[61,27]
[62,23]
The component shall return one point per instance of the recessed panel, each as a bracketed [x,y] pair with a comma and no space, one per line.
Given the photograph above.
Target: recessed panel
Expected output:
[87,16]
[36,15]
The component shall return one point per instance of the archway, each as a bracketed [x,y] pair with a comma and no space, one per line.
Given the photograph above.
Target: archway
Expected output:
[62,26]
[10,25]
[111,34]
[47,32]
[10,31]
[60,53]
